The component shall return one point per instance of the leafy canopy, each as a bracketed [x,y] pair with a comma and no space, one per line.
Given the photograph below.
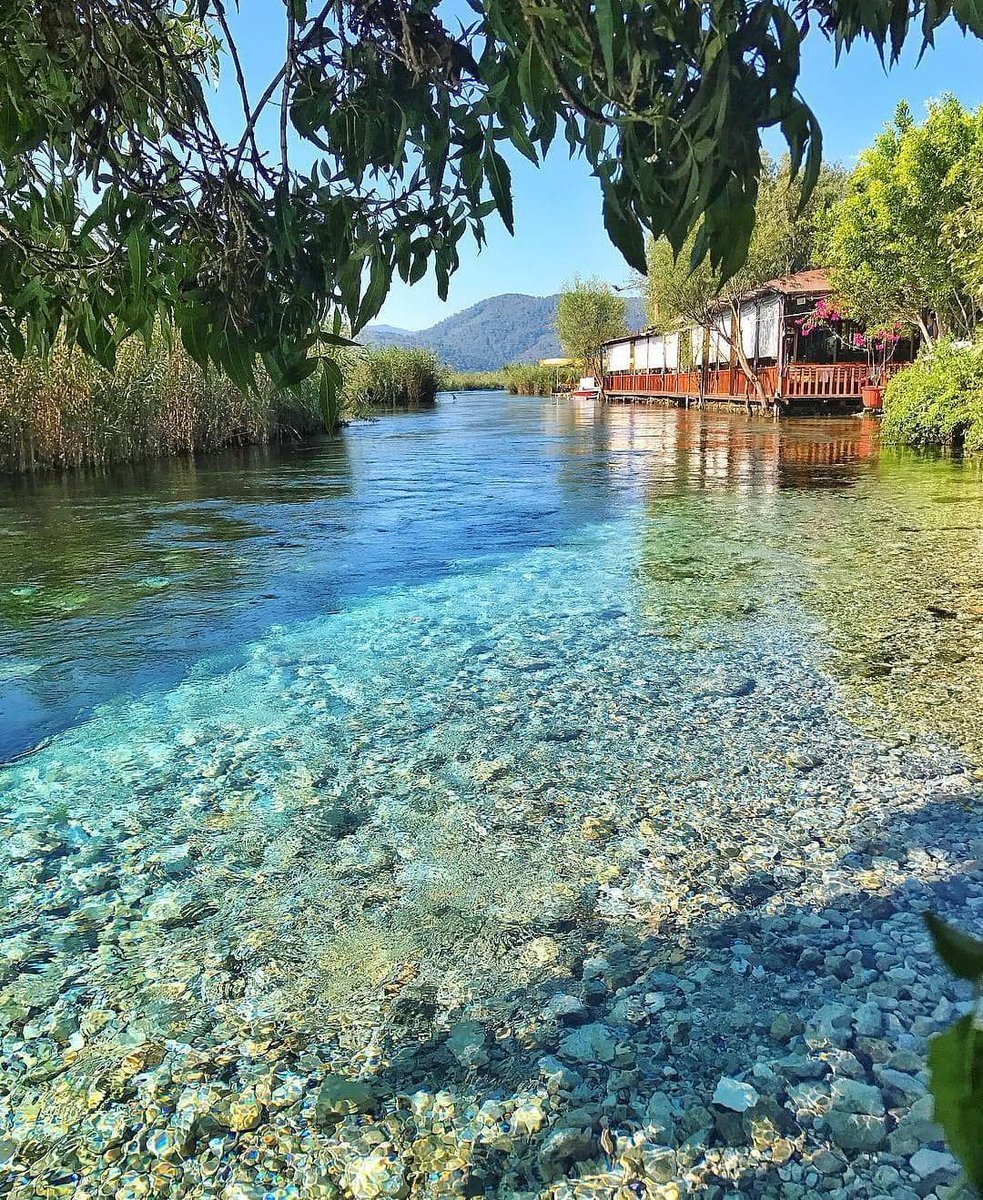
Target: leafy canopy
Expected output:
[907,244]
[122,201]
[588,314]
[788,230]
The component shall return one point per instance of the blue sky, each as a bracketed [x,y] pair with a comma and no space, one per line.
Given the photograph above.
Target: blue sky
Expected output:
[558,229]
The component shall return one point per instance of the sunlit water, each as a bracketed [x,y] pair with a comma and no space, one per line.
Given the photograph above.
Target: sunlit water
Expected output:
[419,715]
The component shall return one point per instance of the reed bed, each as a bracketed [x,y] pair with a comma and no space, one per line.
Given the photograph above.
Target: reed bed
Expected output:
[63,410]
[472,381]
[526,379]
[389,377]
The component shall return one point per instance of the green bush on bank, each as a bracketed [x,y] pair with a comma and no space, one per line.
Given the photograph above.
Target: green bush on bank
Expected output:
[938,400]
[389,377]
[63,410]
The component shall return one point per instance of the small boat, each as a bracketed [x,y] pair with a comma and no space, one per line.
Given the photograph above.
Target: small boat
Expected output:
[587,389]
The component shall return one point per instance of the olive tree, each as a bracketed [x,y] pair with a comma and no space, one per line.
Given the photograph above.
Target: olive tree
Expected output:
[123,203]
[588,314]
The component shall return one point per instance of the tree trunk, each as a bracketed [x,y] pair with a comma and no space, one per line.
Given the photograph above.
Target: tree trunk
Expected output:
[923,329]
[595,367]
[704,365]
[737,345]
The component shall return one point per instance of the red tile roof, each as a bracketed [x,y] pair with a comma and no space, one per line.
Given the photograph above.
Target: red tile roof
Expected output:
[803,283]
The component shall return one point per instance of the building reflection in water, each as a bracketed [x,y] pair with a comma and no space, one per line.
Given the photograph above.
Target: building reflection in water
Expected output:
[706,449]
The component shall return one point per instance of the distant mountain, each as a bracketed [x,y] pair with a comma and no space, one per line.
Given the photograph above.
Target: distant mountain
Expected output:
[390,330]
[500,330]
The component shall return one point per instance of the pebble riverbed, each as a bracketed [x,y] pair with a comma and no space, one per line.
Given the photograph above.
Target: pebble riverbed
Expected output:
[508,883]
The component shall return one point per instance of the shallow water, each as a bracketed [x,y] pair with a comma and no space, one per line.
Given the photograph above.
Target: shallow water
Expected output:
[115,586]
[417,716]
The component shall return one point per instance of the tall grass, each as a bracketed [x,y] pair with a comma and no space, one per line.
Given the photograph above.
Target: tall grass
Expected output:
[63,410]
[472,381]
[526,379]
[389,377]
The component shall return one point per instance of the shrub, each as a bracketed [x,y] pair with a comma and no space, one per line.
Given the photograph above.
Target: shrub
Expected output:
[389,377]
[938,400]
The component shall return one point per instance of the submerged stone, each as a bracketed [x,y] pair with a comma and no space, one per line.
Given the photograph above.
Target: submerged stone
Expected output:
[590,1043]
[857,1131]
[732,1094]
[340,1097]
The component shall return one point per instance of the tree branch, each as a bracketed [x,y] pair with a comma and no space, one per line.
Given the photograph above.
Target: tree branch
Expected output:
[285,93]
[243,91]
[249,132]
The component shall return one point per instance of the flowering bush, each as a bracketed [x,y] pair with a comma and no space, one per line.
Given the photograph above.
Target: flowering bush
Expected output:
[823,315]
[879,343]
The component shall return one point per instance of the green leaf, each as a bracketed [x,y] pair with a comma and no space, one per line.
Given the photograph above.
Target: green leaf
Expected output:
[500,181]
[625,231]
[135,251]
[529,74]
[238,363]
[418,269]
[604,16]
[962,954]
[329,390]
[380,278]
[955,1060]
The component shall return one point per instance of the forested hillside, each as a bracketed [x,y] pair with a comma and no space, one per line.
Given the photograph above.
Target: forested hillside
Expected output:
[502,329]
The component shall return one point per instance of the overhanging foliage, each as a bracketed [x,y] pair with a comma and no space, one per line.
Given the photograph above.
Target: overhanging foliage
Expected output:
[122,203]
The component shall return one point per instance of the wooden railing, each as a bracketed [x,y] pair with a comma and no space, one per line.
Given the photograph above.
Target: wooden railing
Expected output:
[823,381]
[800,381]
[654,383]
[834,380]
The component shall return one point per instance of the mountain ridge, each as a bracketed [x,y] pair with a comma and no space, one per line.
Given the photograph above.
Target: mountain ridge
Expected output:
[510,327]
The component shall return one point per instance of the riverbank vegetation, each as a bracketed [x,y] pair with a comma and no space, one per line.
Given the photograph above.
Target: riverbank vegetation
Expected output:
[938,400]
[528,379]
[472,381]
[63,410]
[388,377]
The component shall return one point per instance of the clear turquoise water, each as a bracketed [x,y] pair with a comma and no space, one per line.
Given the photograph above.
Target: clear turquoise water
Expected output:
[291,732]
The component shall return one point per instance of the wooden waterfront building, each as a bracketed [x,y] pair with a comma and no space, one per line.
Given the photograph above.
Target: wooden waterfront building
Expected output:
[799,365]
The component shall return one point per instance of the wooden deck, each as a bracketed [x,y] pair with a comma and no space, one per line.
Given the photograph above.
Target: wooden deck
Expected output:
[802,384]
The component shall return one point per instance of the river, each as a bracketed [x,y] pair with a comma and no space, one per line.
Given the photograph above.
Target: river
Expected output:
[436,809]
